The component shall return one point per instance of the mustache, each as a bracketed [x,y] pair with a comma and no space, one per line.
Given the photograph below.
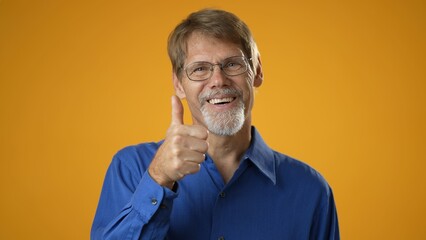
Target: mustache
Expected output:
[215,92]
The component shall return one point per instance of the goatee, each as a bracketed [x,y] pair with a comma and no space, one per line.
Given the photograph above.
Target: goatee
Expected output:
[223,123]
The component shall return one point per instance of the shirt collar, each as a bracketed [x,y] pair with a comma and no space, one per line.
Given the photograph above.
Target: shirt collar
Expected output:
[261,155]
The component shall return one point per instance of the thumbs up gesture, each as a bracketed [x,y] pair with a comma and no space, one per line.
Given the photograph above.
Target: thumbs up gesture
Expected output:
[182,151]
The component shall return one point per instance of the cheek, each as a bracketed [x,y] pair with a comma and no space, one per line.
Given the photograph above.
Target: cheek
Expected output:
[192,91]
[248,86]
[250,77]
[248,92]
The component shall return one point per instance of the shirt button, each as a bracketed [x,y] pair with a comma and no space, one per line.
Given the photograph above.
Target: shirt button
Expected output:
[221,238]
[154,201]
[222,194]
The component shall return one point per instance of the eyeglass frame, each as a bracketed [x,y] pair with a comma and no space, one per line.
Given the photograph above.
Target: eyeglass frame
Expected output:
[221,66]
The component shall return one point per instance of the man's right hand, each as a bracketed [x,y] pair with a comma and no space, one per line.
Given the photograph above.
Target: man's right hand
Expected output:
[182,151]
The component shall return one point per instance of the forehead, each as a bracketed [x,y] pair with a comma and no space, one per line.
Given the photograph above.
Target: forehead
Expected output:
[201,47]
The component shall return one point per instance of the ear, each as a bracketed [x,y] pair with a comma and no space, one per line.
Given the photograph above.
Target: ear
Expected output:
[180,92]
[258,79]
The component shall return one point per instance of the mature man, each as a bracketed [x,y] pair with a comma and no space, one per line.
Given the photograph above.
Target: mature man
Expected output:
[215,179]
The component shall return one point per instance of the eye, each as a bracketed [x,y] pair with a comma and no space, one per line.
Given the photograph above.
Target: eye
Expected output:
[233,65]
[198,69]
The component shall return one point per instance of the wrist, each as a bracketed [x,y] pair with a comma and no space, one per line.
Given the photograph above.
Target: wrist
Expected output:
[160,180]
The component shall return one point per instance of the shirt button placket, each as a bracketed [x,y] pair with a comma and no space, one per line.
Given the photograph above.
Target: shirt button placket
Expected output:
[221,195]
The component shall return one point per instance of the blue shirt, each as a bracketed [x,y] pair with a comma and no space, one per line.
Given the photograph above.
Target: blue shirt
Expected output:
[270,196]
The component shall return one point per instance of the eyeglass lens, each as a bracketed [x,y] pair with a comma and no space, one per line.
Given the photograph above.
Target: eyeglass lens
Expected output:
[232,66]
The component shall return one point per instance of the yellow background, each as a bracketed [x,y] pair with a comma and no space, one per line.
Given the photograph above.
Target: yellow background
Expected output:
[344,91]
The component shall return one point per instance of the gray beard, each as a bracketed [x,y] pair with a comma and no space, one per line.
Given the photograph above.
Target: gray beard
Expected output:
[225,123]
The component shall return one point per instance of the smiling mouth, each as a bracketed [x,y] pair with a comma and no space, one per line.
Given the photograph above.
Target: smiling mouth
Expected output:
[220,101]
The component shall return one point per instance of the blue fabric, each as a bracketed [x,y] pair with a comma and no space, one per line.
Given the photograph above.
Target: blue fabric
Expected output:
[271,196]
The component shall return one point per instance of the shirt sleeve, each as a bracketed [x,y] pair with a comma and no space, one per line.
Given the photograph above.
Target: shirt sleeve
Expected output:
[326,224]
[132,205]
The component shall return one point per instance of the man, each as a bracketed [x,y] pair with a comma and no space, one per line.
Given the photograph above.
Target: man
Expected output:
[215,179]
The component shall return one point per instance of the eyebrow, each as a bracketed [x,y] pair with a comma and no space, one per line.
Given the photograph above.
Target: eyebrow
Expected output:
[214,63]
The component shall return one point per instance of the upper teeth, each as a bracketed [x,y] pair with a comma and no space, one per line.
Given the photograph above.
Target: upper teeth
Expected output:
[219,100]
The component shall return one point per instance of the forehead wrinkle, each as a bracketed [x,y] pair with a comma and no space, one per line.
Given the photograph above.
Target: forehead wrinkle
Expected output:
[199,45]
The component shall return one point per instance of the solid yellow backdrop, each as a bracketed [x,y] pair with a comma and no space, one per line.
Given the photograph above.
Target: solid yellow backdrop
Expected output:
[344,91]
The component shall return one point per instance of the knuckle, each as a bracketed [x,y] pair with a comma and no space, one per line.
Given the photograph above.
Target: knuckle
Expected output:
[177,139]
[202,132]
[190,171]
[201,158]
[177,153]
[205,146]
[201,147]
[180,175]
[176,165]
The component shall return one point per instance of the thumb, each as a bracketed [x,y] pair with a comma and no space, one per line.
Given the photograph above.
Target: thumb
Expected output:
[177,110]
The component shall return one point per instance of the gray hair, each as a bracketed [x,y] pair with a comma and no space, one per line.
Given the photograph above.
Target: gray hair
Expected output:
[215,23]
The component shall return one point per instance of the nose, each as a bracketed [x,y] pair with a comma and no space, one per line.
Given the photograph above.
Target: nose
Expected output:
[218,77]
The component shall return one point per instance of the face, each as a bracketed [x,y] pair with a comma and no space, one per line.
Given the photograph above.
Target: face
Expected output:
[221,103]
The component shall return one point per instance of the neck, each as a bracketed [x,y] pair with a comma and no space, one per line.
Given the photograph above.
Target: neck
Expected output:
[226,151]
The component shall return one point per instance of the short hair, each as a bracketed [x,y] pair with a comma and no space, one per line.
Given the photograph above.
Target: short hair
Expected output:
[216,23]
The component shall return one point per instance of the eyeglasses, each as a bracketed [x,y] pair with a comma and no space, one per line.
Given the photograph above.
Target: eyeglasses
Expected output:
[200,71]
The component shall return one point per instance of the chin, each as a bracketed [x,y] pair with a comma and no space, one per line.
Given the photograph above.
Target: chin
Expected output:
[224,123]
